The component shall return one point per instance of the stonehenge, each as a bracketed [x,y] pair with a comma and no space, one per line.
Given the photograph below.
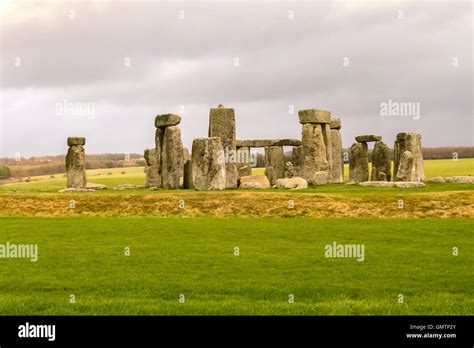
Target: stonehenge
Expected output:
[221,161]
[75,163]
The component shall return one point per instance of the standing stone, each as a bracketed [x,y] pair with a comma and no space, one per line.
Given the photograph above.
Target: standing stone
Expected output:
[409,141]
[274,163]
[337,169]
[188,175]
[381,163]
[327,141]
[313,152]
[222,124]
[75,163]
[359,163]
[172,159]
[153,178]
[406,166]
[159,134]
[297,160]
[208,166]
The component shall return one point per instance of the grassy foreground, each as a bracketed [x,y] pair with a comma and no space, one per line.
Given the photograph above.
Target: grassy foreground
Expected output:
[278,257]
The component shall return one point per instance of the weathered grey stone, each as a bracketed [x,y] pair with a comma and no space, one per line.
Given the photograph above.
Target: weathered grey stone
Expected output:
[208,166]
[159,135]
[254,182]
[188,174]
[274,163]
[297,160]
[93,186]
[167,120]
[359,163]
[408,141]
[222,124]
[405,168]
[368,138]
[74,189]
[320,178]
[128,187]
[313,152]
[335,123]
[437,179]
[314,116]
[327,141]
[295,183]
[245,171]
[381,162]
[153,178]
[172,159]
[377,184]
[409,184]
[337,170]
[76,141]
[75,164]
[463,179]
[268,142]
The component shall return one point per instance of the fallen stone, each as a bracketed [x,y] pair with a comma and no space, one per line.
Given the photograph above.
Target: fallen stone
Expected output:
[463,179]
[320,178]
[377,184]
[73,189]
[437,179]
[295,183]
[95,186]
[409,184]
[400,184]
[368,138]
[76,141]
[167,120]
[254,182]
[128,187]
[208,167]
[314,116]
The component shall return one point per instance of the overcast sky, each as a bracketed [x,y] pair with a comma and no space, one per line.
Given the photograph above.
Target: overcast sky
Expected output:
[129,61]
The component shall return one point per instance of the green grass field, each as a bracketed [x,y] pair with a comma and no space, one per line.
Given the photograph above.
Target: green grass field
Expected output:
[190,251]
[278,257]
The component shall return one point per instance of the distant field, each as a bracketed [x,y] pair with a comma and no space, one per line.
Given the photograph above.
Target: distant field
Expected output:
[277,257]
